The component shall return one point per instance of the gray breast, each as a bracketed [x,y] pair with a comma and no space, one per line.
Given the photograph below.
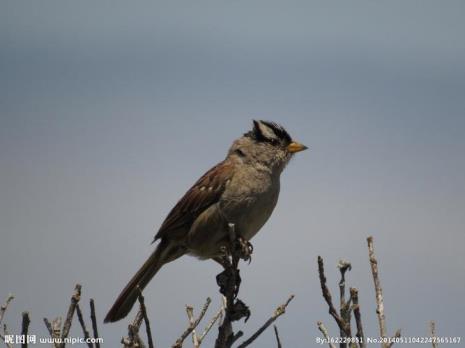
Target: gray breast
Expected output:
[249,200]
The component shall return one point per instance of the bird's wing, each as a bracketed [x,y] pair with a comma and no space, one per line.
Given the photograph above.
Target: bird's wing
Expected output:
[205,192]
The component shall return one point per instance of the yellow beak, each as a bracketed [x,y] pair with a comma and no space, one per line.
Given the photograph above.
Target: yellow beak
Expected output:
[296,147]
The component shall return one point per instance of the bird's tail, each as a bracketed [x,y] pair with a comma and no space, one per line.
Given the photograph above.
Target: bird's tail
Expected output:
[165,252]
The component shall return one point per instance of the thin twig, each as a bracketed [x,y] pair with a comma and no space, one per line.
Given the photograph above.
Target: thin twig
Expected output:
[190,316]
[358,317]
[146,319]
[344,307]
[133,339]
[24,329]
[4,306]
[93,318]
[83,325]
[48,326]
[6,333]
[56,330]
[276,333]
[396,335]
[327,296]
[210,324]
[192,325]
[378,289]
[432,327]
[3,309]
[379,294]
[343,266]
[53,329]
[69,316]
[277,313]
[325,333]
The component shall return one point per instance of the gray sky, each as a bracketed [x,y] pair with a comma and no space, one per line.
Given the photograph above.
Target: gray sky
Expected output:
[111,110]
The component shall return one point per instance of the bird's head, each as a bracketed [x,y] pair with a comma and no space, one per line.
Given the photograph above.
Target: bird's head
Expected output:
[267,144]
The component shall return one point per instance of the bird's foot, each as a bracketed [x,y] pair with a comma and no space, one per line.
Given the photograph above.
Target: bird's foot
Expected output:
[244,249]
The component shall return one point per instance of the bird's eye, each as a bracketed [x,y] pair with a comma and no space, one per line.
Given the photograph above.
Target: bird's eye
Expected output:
[239,152]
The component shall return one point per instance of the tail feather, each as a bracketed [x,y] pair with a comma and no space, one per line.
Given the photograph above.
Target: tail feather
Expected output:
[164,253]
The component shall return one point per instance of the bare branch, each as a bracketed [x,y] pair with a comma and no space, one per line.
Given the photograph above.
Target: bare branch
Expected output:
[133,339]
[192,325]
[343,266]
[276,333]
[229,281]
[190,316]
[210,324]
[277,313]
[56,329]
[24,328]
[344,307]
[432,327]
[378,289]
[48,326]
[69,316]
[93,318]
[327,296]
[3,309]
[83,325]
[379,294]
[325,333]
[6,333]
[146,319]
[4,306]
[358,317]
[396,335]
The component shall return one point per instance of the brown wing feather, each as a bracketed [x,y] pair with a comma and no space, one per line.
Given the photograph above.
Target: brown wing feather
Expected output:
[205,192]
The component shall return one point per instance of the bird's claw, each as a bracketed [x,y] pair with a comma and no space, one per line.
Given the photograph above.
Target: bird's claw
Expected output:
[245,249]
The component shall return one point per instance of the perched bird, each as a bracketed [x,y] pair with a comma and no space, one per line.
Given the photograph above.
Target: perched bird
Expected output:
[243,190]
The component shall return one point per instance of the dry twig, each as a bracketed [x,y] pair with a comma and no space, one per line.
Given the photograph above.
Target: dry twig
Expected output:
[358,317]
[379,294]
[133,339]
[56,330]
[24,328]
[325,333]
[6,333]
[344,306]
[3,309]
[192,325]
[432,327]
[276,333]
[69,316]
[48,326]
[93,318]
[210,325]
[277,313]
[343,326]
[146,319]
[4,306]
[83,326]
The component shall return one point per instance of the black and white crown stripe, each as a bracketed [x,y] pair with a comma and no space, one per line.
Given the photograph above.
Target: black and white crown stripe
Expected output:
[269,131]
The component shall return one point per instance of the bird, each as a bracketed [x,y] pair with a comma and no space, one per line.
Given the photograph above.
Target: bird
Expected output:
[242,189]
